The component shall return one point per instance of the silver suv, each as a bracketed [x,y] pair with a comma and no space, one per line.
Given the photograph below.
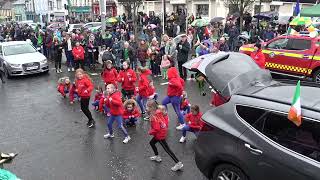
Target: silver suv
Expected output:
[250,136]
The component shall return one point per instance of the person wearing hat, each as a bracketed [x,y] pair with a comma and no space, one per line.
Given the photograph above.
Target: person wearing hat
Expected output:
[183,48]
[258,56]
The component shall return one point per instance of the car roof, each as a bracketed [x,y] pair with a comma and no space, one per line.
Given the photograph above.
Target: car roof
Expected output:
[304,36]
[13,43]
[283,93]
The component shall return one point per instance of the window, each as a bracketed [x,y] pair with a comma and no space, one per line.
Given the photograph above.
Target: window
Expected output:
[59,4]
[18,49]
[299,44]
[304,139]
[203,9]
[278,44]
[50,5]
[250,114]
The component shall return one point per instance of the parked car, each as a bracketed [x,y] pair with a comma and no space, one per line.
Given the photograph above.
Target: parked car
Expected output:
[74,27]
[296,56]
[21,58]
[91,24]
[250,137]
[56,25]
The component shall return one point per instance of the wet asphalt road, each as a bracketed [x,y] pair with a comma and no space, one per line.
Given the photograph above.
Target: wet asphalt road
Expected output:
[54,143]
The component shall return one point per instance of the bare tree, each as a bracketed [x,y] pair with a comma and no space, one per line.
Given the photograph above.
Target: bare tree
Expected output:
[131,6]
[240,6]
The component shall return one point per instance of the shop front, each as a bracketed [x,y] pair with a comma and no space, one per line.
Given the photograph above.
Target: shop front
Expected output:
[81,12]
[111,9]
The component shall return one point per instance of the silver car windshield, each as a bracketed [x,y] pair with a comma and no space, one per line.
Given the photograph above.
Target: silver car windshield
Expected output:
[18,49]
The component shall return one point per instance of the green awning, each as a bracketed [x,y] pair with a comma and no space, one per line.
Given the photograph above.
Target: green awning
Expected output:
[313,11]
[81,9]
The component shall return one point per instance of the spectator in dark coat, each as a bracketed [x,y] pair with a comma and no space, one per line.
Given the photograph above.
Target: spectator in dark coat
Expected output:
[183,48]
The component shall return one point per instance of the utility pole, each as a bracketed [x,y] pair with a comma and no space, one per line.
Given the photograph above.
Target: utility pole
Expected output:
[164,16]
[103,17]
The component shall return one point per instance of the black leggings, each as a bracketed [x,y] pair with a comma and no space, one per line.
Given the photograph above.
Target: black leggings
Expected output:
[165,146]
[79,63]
[84,103]
[58,61]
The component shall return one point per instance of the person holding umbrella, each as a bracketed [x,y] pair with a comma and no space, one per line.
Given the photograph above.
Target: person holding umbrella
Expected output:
[258,56]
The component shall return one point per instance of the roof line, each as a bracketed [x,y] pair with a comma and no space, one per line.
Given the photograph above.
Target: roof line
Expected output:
[277,101]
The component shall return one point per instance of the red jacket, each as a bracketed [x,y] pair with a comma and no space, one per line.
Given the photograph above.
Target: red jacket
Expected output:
[128,79]
[135,113]
[61,87]
[109,76]
[98,96]
[217,99]
[151,91]
[184,103]
[159,125]
[259,58]
[115,105]
[143,83]
[83,85]
[78,53]
[194,121]
[176,84]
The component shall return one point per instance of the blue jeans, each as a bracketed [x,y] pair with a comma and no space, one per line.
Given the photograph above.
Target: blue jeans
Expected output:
[96,103]
[186,110]
[187,128]
[175,101]
[75,95]
[142,101]
[70,61]
[120,124]
[131,121]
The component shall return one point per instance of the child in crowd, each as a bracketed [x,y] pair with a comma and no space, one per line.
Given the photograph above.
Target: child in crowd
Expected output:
[127,77]
[143,88]
[102,107]
[78,54]
[193,122]
[159,130]
[109,74]
[131,112]
[201,83]
[97,98]
[65,86]
[165,65]
[114,103]
[185,104]
[152,92]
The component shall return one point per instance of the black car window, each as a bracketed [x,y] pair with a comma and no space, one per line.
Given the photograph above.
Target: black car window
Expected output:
[304,139]
[250,114]
[278,44]
[299,44]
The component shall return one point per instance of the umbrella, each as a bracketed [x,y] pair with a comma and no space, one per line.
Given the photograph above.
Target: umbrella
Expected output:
[152,26]
[216,19]
[300,21]
[200,22]
[112,20]
[266,15]
[283,20]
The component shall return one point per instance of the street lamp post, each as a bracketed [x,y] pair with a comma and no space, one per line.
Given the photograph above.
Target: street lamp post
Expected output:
[103,17]
[164,16]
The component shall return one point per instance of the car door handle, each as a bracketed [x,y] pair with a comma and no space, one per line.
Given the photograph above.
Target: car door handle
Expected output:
[253,150]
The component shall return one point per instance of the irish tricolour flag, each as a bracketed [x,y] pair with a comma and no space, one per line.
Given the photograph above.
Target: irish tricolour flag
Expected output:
[295,110]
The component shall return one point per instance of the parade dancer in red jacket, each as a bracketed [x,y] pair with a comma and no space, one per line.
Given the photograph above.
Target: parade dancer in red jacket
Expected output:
[114,103]
[174,93]
[66,87]
[258,56]
[97,98]
[131,112]
[109,74]
[143,88]
[193,122]
[159,130]
[127,77]
[78,55]
[84,88]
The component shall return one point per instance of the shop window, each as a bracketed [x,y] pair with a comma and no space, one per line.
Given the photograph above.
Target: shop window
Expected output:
[203,10]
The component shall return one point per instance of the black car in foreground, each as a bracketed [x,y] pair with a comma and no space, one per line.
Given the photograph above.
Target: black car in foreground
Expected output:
[250,136]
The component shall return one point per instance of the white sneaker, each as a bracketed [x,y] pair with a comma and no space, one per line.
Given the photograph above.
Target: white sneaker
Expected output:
[106,136]
[156,158]
[72,69]
[60,70]
[180,127]
[126,139]
[177,166]
[182,139]
[68,69]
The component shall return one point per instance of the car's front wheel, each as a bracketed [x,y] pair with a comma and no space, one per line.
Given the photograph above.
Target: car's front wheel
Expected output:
[228,172]
[6,72]
[316,76]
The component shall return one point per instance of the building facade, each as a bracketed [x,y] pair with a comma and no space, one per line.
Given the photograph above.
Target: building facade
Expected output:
[20,10]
